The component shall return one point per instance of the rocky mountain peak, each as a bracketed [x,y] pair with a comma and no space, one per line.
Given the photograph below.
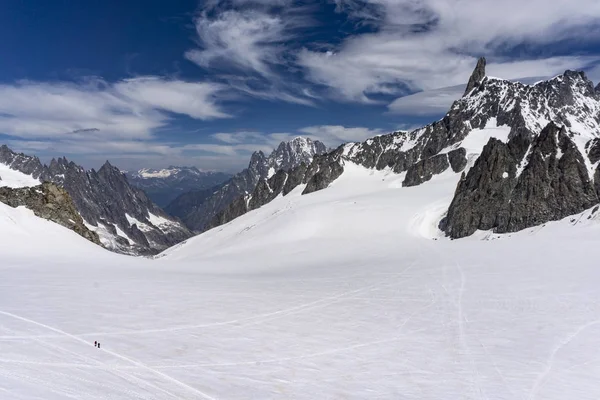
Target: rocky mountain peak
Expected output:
[257,157]
[20,162]
[198,208]
[294,152]
[107,167]
[540,162]
[477,75]
[123,216]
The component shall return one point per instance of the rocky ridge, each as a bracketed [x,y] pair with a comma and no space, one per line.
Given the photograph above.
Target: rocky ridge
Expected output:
[50,202]
[126,220]
[198,208]
[545,169]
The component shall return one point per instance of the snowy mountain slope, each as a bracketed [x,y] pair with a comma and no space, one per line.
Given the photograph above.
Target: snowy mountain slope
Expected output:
[522,115]
[26,239]
[103,198]
[15,179]
[163,186]
[197,208]
[339,294]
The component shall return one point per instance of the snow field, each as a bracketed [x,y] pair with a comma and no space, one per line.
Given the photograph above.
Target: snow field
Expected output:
[337,294]
[15,179]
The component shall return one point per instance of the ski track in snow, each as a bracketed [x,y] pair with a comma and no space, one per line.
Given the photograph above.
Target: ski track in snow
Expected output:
[135,362]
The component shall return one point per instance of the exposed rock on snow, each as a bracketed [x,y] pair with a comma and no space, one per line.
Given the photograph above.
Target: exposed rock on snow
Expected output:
[103,198]
[477,75]
[563,174]
[553,184]
[197,209]
[50,202]
[425,169]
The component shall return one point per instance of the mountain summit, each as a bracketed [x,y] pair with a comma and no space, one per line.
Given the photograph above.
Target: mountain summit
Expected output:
[125,219]
[527,154]
[477,75]
[199,207]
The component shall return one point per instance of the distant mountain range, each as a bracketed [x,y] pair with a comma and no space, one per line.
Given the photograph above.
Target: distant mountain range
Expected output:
[124,218]
[197,208]
[164,185]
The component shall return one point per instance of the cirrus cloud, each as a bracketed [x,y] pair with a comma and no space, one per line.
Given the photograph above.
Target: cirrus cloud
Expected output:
[129,109]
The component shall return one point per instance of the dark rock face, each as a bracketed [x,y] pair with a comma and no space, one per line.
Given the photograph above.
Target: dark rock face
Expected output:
[458,159]
[198,211]
[323,177]
[50,202]
[597,89]
[425,169]
[317,176]
[593,150]
[477,75]
[105,200]
[295,177]
[21,162]
[553,184]
[164,186]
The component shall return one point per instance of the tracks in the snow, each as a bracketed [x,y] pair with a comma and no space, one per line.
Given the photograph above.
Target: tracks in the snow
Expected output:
[137,363]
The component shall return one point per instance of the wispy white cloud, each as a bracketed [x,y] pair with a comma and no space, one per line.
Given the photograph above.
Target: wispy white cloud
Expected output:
[429,44]
[250,40]
[130,109]
[430,102]
[230,151]
[247,44]
[194,99]
[333,135]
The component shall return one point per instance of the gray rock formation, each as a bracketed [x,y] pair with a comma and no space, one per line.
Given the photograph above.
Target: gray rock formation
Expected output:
[198,209]
[568,100]
[477,75]
[164,186]
[425,169]
[505,193]
[50,202]
[316,176]
[106,201]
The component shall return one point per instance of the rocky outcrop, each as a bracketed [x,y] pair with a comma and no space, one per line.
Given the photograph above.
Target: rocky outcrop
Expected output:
[458,159]
[425,169]
[477,75]
[106,201]
[505,193]
[316,176]
[50,202]
[593,150]
[321,174]
[198,210]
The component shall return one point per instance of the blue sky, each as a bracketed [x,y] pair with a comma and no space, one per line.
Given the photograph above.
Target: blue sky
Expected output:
[149,83]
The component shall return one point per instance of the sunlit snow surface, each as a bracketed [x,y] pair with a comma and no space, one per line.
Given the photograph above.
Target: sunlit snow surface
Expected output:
[340,294]
[15,179]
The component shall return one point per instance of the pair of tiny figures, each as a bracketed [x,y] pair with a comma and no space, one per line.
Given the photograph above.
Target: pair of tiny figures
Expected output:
[96,344]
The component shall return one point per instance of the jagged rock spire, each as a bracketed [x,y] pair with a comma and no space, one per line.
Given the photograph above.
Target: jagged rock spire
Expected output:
[477,75]
[598,88]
